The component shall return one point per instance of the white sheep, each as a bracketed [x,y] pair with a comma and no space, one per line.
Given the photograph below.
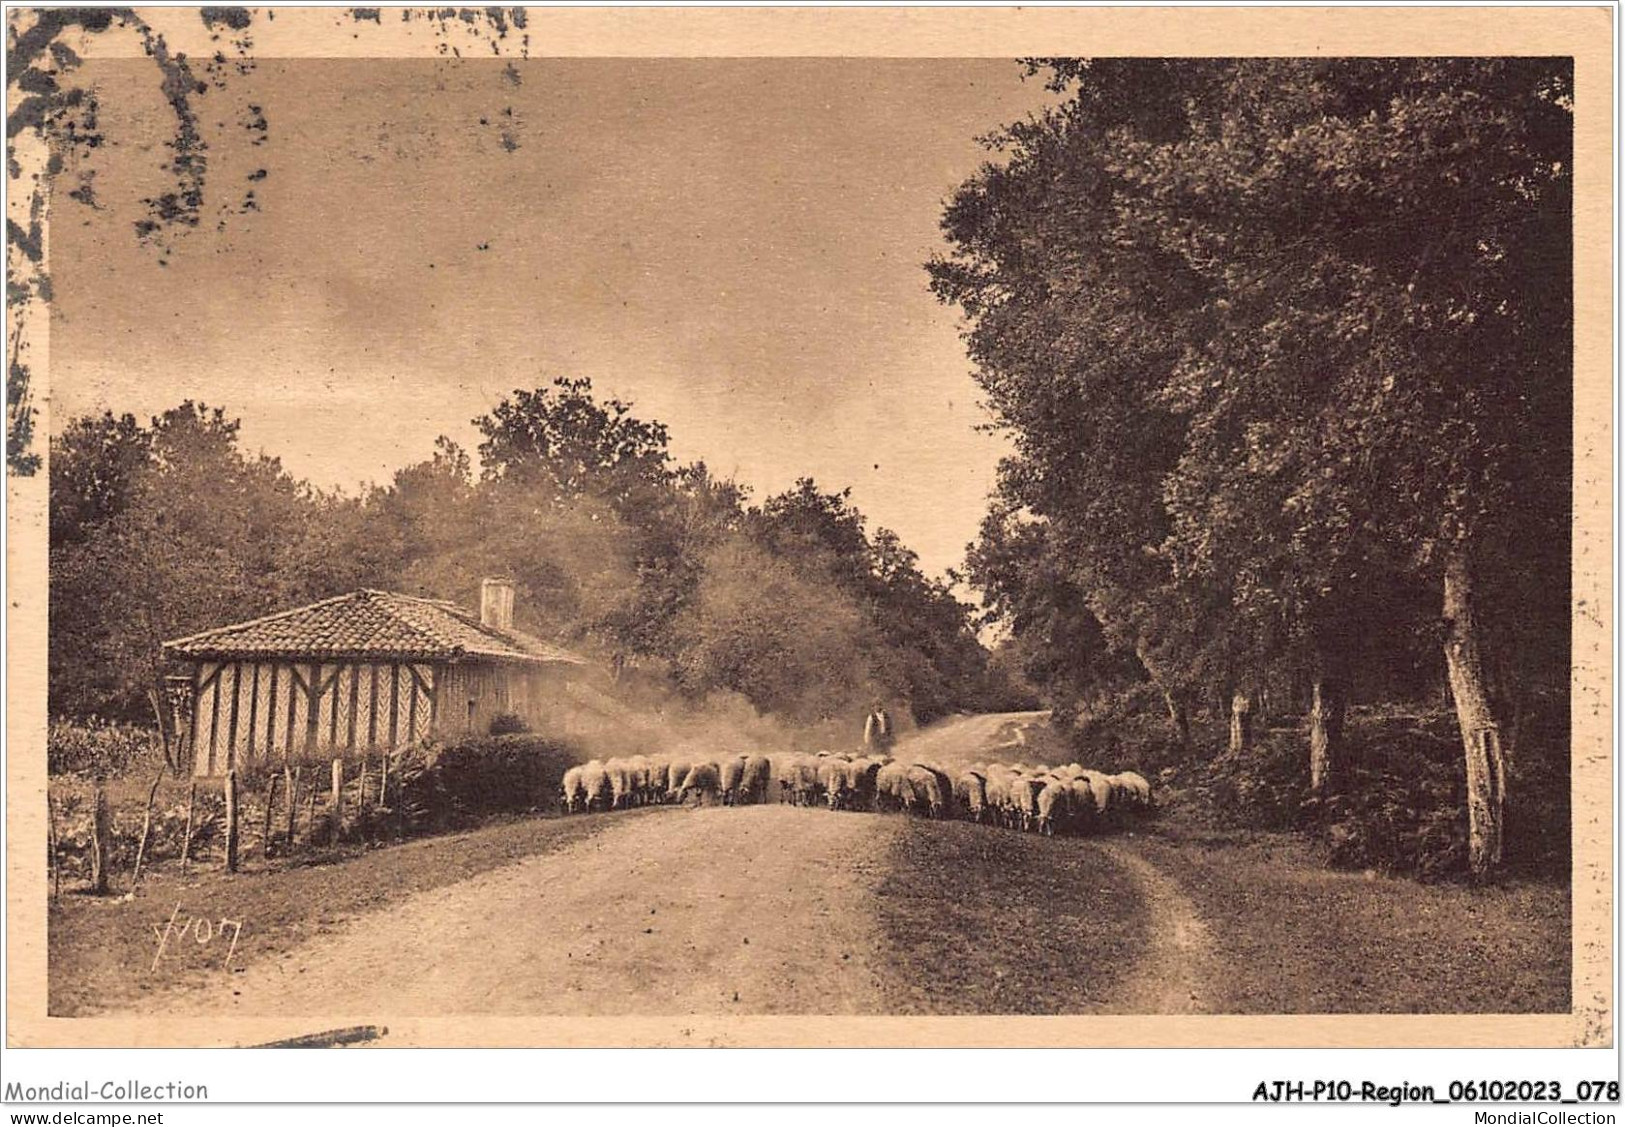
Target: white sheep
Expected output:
[574,791]
[831,776]
[970,791]
[732,771]
[1101,787]
[620,783]
[861,786]
[926,789]
[753,784]
[1054,807]
[676,772]
[806,785]
[891,787]
[1086,810]
[998,779]
[595,786]
[1133,788]
[703,779]
[1024,801]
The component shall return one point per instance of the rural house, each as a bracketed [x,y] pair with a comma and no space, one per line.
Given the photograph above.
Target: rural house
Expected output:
[371,669]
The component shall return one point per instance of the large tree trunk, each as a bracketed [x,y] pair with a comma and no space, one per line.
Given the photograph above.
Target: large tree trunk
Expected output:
[1241,721]
[1477,715]
[1328,704]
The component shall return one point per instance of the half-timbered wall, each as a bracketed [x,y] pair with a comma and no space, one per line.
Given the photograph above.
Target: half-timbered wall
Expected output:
[473,694]
[248,711]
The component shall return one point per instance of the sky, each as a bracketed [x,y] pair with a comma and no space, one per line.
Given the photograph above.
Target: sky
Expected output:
[735,247]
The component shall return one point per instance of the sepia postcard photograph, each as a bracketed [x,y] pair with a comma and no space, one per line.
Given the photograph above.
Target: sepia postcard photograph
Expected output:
[741,527]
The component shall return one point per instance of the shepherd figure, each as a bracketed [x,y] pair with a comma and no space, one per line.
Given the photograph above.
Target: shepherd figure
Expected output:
[877,729]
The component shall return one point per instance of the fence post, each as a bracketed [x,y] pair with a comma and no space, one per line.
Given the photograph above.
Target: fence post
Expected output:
[290,775]
[146,820]
[361,794]
[337,811]
[383,781]
[98,841]
[399,808]
[231,821]
[270,809]
[186,839]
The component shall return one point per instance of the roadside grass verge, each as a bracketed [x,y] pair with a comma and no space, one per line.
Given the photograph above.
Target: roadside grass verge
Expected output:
[977,920]
[1295,937]
[102,950]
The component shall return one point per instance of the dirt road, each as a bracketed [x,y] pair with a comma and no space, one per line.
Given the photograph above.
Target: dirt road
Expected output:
[711,910]
[961,739]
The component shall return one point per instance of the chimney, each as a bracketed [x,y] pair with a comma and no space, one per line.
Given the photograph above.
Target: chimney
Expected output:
[496,603]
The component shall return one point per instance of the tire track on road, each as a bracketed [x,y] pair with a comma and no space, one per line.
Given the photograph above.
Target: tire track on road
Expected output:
[1174,976]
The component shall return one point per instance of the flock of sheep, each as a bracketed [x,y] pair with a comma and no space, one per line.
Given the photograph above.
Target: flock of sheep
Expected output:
[1039,799]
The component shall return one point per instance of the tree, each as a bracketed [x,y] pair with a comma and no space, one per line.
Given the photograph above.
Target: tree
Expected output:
[95,467]
[759,627]
[676,528]
[161,531]
[562,437]
[1028,589]
[940,664]
[440,532]
[1279,338]
[918,644]
[1073,327]
[823,531]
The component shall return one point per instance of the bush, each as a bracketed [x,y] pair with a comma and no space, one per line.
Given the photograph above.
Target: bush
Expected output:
[1413,822]
[1404,806]
[1126,731]
[456,784]
[1400,806]
[1263,788]
[96,748]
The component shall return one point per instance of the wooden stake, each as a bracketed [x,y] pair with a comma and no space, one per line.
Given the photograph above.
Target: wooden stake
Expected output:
[383,781]
[270,809]
[399,808]
[172,740]
[231,821]
[98,841]
[146,820]
[336,810]
[290,776]
[310,811]
[186,840]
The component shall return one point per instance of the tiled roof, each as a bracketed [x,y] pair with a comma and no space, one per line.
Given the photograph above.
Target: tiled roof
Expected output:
[369,624]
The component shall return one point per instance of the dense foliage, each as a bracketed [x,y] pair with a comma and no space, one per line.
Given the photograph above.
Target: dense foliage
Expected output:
[163,529]
[97,749]
[1284,347]
[459,783]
